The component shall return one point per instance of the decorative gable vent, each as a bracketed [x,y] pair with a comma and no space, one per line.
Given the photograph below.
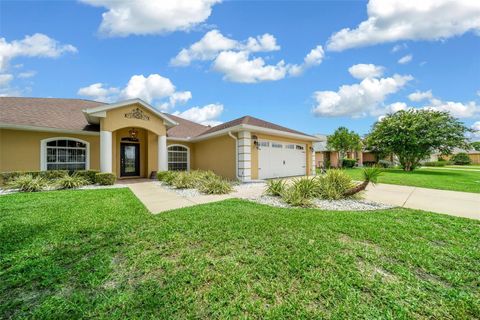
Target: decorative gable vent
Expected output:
[137,113]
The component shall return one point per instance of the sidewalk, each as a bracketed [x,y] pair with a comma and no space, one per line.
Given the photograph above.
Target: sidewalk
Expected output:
[460,204]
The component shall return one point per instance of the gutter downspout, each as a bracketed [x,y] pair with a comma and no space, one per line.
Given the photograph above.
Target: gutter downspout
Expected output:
[236,153]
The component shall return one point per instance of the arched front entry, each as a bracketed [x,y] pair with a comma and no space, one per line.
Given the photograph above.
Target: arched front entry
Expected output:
[133,138]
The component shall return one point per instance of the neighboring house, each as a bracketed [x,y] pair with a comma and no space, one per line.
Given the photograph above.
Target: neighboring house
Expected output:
[132,139]
[473,154]
[325,158]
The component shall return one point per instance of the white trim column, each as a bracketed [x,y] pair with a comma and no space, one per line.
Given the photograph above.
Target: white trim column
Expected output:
[106,151]
[244,156]
[162,153]
[313,165]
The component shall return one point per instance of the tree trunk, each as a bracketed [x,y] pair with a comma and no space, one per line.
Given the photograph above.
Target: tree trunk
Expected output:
[358,188]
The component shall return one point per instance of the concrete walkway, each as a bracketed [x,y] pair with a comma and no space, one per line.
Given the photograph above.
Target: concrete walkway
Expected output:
[460,204]
[158,199]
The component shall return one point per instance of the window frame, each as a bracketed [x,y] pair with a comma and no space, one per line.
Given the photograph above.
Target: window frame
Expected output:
[188,154]
[43,151]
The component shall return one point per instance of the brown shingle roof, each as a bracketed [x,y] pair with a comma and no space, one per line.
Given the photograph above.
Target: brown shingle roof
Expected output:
[67,114]
[185,128]
[47,112]
[253,122]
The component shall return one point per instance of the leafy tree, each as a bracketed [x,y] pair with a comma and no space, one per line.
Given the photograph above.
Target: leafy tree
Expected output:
[476,145]
[343,141]
[414,135]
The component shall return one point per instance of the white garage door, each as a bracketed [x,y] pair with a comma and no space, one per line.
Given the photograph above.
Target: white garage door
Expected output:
[281,159]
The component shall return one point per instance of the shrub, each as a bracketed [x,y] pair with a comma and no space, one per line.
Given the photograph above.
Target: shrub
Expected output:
[294,197]
[167,176]
[435,163]
[215,186]
[385,163]
[71,182]
[6,177]
[307,187]
[185,180]
[88,175]
[369,163]
[28,183]
[349,163]
[105,178]
[53,174]
[334,184]
[461,159]
[275,187]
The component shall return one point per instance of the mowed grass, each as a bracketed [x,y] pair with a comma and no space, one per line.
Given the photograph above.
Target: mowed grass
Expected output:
[444,179]
[100,254]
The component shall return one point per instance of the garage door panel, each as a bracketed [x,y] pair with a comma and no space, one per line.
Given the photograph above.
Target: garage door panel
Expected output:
[281,159]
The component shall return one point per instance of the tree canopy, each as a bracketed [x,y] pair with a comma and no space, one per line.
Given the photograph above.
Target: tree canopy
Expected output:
[413,135]
[476,145]
[343,141]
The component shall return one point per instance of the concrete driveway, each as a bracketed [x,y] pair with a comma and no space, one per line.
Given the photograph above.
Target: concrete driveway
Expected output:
[460,204]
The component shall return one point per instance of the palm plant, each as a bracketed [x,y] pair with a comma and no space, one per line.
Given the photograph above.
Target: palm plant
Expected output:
[370,175]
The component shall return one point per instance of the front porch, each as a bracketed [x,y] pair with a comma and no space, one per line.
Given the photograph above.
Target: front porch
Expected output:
[133,138]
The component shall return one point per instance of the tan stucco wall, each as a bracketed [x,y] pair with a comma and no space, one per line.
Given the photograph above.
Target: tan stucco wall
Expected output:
[319,158]
[116,119]
[254,151]
[216,154]
[20,150]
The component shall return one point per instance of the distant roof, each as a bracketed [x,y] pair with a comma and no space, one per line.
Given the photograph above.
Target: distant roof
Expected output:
[52,113]
[320,145]
[253,122]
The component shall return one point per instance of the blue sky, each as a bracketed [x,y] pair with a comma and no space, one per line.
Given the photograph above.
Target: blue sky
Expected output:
[80,49]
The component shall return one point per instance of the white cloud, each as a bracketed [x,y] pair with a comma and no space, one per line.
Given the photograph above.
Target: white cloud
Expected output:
[405,59]
[233,58]
[5,79]
[360,99]
[397,20]
[399,47]
[238,67]
[99,92]
[148,88]
[313,58]
[362,71]
[27,74]
[126,17]
[456,109]
[206,115]
[213,42]
[419,95]
[476,126]
[37,45]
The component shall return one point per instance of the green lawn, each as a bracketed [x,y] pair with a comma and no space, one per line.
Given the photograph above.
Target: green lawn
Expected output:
[100,254]
[456,180]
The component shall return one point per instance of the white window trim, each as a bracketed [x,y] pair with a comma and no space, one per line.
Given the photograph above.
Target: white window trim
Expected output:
[183,146]
[43,151]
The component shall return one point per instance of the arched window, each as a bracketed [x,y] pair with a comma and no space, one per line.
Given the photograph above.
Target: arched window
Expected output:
[64,154]
[178,158]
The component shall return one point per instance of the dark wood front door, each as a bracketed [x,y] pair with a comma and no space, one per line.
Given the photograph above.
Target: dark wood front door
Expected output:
[129,159]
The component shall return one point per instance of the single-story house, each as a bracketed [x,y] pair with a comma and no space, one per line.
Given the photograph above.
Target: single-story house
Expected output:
[473,154]
[325,158]
[133,139]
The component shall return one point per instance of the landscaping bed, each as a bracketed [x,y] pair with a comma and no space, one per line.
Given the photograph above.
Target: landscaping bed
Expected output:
[101,254]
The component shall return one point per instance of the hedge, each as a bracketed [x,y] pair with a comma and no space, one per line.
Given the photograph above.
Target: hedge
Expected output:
[105,178]
[348,163]
[88,175]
